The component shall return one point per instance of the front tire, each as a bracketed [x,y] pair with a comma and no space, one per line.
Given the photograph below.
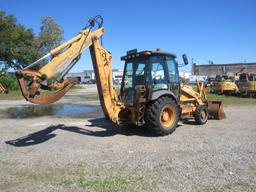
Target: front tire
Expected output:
[201,114]
[162,116]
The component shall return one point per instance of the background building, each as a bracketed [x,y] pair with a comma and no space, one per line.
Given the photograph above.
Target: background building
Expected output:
[89,76]
[211,70]
[184,75]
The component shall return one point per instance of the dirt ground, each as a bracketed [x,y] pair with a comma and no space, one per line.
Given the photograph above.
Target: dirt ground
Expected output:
[91,154]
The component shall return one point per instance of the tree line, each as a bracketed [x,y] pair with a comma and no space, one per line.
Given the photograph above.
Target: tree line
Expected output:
[20,46]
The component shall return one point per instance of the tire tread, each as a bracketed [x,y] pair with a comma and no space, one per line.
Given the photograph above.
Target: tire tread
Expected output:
[152,116]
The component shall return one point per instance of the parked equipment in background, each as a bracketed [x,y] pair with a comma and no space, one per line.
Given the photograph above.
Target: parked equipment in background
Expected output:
[150,93]
[210,81]
[247,84]
[224,85]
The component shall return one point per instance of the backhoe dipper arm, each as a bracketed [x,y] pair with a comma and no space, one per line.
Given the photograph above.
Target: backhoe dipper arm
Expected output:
[63,59]
[102,64]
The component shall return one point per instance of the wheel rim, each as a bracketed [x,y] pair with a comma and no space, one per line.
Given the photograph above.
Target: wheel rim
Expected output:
[167,116]
[203,115]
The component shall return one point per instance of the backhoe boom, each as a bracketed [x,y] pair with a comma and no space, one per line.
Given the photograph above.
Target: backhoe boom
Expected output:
[63,59]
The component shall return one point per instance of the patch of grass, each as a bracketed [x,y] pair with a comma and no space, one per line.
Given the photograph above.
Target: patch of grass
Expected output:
[91,96]
[47,176]
[104,179]
[111,183]
[12,95]
[77,87]
[95,95]
[6,163]
[227,100]
[232,100]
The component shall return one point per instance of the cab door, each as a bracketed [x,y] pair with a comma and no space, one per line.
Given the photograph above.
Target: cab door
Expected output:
[173,75]
[158,74]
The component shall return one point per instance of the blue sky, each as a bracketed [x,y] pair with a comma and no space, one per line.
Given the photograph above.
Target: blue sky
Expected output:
[223,31]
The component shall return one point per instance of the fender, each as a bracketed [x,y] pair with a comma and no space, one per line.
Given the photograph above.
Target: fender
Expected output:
[156,94]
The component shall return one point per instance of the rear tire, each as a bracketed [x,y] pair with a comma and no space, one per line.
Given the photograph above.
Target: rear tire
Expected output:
[162,116]
[201,114]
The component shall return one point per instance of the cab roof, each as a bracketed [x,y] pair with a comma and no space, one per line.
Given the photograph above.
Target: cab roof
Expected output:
[134,54]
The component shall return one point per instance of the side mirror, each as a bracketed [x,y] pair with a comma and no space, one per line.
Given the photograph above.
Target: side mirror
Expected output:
[185,59]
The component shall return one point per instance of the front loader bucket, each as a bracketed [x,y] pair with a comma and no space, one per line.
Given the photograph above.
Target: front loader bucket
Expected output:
[216,110]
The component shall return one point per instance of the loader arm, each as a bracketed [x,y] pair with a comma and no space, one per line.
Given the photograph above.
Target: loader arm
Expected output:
[46,85]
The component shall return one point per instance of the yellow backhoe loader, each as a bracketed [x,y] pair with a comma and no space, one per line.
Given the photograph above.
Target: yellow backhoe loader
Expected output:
[247,84]
[150,93]
[224,85]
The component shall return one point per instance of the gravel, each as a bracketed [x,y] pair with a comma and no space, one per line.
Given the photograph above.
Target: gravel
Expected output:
[79,154]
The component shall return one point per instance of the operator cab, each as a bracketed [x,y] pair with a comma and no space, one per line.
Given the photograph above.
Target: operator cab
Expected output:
[156,70]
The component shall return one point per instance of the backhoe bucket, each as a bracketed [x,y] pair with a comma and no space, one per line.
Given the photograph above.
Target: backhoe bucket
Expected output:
[32,93]
[216,110]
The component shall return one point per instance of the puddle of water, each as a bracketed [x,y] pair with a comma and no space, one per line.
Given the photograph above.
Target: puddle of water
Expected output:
[60,110]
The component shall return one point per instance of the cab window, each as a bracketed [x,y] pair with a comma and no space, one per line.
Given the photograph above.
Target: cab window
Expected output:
[172,70]
[159,79]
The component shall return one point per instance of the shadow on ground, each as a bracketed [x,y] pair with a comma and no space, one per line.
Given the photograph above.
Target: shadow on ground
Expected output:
[108,129]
